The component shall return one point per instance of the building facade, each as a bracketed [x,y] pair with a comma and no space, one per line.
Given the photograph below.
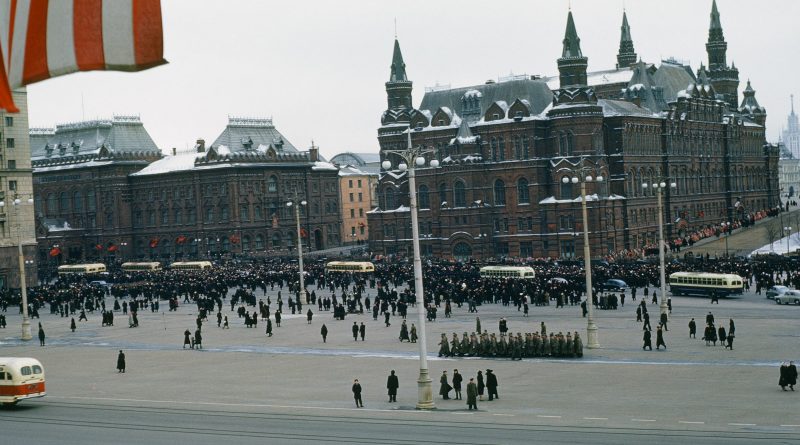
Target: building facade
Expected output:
[16,191]
[791,133]
[505,148]
[105,192]
[358,181]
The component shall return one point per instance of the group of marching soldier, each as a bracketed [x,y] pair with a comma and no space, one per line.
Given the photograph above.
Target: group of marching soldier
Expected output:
[515,347]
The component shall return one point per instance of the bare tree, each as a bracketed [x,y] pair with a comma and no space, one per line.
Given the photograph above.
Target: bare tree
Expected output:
[772,233]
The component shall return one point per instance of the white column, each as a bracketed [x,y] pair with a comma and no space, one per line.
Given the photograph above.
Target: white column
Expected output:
[591,327]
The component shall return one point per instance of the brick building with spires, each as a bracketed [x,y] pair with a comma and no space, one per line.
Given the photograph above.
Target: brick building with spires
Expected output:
[505,146]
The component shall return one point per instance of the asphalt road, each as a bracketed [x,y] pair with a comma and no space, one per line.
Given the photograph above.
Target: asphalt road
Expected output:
[88,422]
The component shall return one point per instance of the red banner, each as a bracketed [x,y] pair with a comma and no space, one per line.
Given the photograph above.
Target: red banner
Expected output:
[154,243]
[113,248]
[55,251]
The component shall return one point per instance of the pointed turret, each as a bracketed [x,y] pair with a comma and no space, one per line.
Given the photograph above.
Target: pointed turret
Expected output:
[398,66]
[398,91]
[725,79]
[627,55]
[572,64]
[751,107]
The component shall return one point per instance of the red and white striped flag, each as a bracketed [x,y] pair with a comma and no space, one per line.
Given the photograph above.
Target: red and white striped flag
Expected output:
[40,39]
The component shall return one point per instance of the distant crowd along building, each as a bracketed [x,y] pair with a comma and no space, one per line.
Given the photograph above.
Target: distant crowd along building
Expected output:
[505,147]
[103,190]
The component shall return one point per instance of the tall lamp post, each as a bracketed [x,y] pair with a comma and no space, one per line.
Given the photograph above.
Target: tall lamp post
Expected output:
[583,175]
[788,232]
[23,285]
[413,157]
[297,203]
[726,230]
[659,189]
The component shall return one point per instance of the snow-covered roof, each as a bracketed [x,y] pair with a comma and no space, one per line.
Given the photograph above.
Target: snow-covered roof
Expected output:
[170,164]
[319,165]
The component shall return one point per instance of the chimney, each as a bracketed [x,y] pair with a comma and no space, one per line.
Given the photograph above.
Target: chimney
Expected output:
[313,153]
[174,151]
[200,146]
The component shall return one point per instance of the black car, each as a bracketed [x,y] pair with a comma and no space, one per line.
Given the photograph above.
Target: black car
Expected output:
[614,285]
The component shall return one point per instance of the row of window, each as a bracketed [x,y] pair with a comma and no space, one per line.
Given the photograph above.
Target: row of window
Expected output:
[459,194]
[66,202]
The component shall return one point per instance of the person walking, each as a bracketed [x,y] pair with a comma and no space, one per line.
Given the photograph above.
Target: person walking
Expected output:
[324,333]
[278,318]
[648,344]
[472,394]
[646,326]
[413,333]
[731,327]
[784,376]
[186,338]
[457,379]
[41,335]
[386,316]
[269,326]
[660,338]
[357,394]
[121,362]
[664,320]
[730,342]
[491,385]
[355,331]
[444,387]
[692,329]
[481,385]
[362,330]
[309,315]
[72,324]
[198,339]
[392,383]
[791,375]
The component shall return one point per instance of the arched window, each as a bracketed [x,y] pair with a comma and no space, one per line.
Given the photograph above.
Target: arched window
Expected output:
[526,148]
[178,216]
[244,212]
[272,184]
[442,193]
[223,213]
[64,202]
[499,193]
[52,204]
[226,244]
[390,198]
[259,241]
[423,201]
[523,195]
[462,251]
[459,194]
[276,240]
[501,148]
[77,201]
[91,203]
[493,145]
[246,243]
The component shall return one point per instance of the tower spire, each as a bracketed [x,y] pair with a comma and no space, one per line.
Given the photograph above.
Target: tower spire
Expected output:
[627,55]
[398,90]
[724,78]
[791,98]
[398,66]
[572,64]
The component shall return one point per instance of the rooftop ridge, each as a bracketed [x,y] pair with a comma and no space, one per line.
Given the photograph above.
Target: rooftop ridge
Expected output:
[247,121]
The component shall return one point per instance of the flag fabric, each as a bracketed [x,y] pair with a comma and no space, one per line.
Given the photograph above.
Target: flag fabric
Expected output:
[40,39]
[303,233]
[234,239]
[113,248]
[98,247]
[154,243]
[55,251]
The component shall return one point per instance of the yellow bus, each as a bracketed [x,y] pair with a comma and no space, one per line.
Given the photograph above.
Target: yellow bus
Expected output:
[522,272]
[141,267]
[350,266]
[705,283]
[191,265]
[81,269]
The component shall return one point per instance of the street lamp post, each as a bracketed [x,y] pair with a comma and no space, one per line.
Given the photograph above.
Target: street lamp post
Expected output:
[788,231]
[23,285]
[726,230]
[297,204]
[659,189]
[584,176]
[413,157]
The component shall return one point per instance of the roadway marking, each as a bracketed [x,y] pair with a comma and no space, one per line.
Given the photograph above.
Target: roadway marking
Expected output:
[507,415]
[691,423]
[462,414]
[595,418]
[643,420]
[550,417]
[791,426]
[742,424]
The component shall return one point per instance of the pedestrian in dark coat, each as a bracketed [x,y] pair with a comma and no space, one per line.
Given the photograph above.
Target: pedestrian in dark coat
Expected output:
[357,394]
[413,335]
[648,344]
[121,362]
[186,339]
[269,325]
[198,339]
[324,332]
[722,335]
[392,383]
[355,331]
[444,387]
[664,320]
[362,330]
[481,385]
[386,316]
[791,375]
[457,379]
[731,327]
[491,385]
[692,329]
[41,335]
[309,315]
[660,338]
[278,318]
[472,394]
[784,376]
[72,324]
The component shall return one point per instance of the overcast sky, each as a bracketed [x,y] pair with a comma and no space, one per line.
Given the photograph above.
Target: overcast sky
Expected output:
[318,67]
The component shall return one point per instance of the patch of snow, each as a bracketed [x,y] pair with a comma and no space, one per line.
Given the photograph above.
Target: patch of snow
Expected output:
[326,166]
[169,164]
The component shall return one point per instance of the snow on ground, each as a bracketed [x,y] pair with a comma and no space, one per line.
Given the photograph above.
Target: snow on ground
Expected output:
[780,246]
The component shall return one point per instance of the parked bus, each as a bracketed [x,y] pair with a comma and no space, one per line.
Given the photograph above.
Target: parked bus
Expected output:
[141,267]
[81,269]
[523,272]
[20,378]
[705,283]
[350,266]
[191,265]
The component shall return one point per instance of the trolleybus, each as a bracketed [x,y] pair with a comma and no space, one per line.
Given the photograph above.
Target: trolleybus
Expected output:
[20,378]
[81,269]
[705,283]
[523,272]
[350,266]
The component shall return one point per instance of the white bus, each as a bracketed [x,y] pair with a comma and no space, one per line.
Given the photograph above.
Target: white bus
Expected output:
[350,266]
[191,265]
[141,267]
[523,272]
[81,269]
[20,378]
[705,283]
